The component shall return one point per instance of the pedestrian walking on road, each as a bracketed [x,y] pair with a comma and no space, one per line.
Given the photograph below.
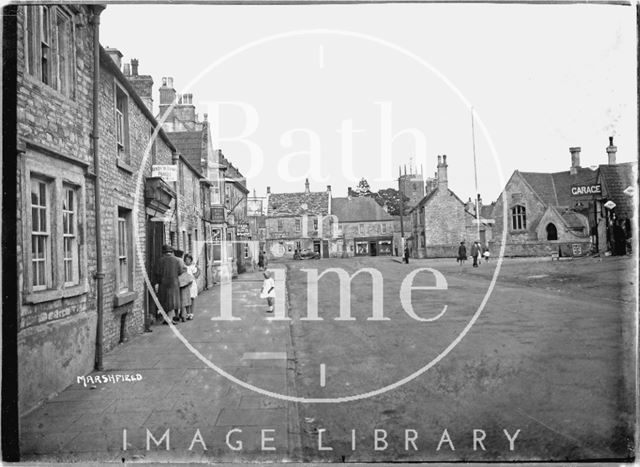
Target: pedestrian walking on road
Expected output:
[261,260]
[475,253]
[268,290]
[166,282]
[406,254]
[192,268]
[462,253]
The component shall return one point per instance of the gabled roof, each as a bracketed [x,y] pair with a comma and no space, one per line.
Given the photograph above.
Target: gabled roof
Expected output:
[358,209]
[554,189]
[190,145]
[616,178]
[430,195]
[291,204]
[486,212]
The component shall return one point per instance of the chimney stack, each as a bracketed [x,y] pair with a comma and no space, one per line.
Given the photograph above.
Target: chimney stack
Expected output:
[268,190]
[328,188]
[143,84]
[575,160]
[306,185]
[115,55]
[611,151]
[442,172]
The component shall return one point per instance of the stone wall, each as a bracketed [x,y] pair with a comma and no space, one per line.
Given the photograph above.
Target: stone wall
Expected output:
[56,333]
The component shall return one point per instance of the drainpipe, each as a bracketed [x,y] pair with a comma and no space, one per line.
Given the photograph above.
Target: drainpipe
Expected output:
[175,159]
[95,132]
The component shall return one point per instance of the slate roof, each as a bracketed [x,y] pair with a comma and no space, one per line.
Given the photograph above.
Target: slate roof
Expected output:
[358,209]
[616,178]
[290,204]
[190,145]
[555,188]
[573,219]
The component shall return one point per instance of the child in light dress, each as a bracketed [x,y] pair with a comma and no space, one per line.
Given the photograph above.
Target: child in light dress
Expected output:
[192,268]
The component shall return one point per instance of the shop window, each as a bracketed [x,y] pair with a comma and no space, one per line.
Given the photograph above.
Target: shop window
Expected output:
[552,232]
[362,248]
[518,218]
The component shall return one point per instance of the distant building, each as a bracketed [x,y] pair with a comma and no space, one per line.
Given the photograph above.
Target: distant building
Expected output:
[566,211]
[412,186]
[365,228]
[441,220]
[300,221]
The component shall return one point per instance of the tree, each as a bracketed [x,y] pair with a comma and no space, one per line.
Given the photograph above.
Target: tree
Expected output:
[363,188]
[390,197]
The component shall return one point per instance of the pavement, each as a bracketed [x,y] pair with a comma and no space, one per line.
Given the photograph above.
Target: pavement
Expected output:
[178,392]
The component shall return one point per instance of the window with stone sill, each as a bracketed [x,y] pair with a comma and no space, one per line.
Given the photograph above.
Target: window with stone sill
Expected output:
[518,218]
[124,266]
[48,46]
[122,123]
[53,249]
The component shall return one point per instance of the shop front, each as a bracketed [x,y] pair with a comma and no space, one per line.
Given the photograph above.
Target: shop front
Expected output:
[373,246]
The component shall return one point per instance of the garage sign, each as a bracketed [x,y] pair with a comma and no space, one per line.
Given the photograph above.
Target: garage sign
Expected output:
[582,190]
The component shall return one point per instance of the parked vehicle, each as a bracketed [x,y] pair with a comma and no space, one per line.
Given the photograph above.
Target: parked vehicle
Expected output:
[306,254]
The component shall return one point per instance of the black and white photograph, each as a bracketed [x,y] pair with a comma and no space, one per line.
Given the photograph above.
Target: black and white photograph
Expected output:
[320,232]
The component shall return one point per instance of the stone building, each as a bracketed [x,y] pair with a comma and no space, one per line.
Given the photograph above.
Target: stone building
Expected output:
[365,228]
[224,185]
[565,212]
[300,221]
[412,185]
[55,192]
[441,220]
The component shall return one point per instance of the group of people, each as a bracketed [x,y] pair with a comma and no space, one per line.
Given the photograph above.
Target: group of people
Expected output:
[478,252]
[175,283]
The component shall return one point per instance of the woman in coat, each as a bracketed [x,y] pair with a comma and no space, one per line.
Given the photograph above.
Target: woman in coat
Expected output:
[462,253]
[166,281]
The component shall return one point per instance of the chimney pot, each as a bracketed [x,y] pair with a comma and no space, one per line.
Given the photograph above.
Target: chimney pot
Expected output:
[268,190]
[170,81]
[442,172]
[164,82]
[329,188]
[134,66]
[306,185]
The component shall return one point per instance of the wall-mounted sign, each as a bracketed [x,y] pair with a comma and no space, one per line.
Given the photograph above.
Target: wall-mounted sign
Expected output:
[582,190]
[169,173]
[609,204]
[217,214]
[242,229]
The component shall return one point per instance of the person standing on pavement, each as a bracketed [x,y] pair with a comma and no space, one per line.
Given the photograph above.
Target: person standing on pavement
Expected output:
[192,268]
[184,284]
[166,282]
[475,253]
[406,254]
[269,290]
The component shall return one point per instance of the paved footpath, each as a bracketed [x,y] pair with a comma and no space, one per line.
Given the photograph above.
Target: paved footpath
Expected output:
[180,393]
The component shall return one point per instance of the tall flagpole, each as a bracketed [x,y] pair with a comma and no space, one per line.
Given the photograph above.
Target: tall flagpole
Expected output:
[475,172]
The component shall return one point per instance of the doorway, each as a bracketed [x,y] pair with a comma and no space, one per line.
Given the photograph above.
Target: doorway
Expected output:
[325,248]
[155,240]
[373,248]
[552,232]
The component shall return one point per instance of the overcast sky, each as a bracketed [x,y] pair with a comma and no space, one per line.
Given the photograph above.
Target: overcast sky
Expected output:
[312,86]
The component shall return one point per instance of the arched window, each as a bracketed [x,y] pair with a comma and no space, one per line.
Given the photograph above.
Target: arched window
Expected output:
[552,232]
[519,217]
